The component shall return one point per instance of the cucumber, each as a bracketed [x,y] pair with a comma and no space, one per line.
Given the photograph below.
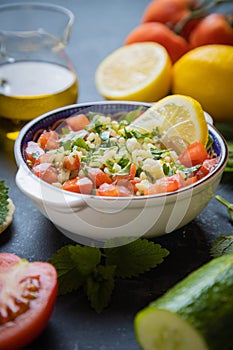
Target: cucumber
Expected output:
[195,314]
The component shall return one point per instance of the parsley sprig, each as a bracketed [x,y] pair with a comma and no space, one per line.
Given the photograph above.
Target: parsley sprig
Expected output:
[3,202]
[94,269]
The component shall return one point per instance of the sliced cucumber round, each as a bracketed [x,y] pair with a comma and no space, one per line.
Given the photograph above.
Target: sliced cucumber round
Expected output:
[172,332]
[196,314]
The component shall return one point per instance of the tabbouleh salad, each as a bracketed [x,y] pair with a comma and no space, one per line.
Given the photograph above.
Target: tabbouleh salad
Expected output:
[102,155]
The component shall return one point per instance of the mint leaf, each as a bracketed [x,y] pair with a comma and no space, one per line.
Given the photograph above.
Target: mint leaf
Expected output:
[69,278]
[3,202]
[73,264]
[99,286]
[85,258]
[222,245]
[94,269]
[135,258]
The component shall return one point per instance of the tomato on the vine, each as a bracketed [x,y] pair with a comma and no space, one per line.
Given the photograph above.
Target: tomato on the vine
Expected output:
[28,293]
[215,28]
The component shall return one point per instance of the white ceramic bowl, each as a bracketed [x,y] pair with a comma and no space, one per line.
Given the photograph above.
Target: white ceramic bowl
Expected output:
[101,221]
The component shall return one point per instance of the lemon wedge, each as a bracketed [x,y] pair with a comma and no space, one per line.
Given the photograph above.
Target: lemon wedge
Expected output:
[178,120]
[136,72]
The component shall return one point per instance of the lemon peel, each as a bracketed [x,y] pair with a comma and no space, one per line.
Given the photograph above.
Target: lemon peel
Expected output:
[178,119]
[206,74]
[136,72]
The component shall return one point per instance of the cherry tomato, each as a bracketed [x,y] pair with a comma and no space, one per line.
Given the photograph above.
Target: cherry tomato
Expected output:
[83,185]
[98,177]
[48,140]
[194,154]
[77,122]
[175,45]
[213,29]
[28,293]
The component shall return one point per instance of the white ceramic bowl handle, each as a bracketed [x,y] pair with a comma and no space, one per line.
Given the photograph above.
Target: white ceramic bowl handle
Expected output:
[39,192]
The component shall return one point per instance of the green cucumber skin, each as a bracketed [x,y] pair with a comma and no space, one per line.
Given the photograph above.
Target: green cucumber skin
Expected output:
[205,300]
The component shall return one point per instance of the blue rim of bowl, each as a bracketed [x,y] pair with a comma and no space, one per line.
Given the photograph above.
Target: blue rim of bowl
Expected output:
[46,120]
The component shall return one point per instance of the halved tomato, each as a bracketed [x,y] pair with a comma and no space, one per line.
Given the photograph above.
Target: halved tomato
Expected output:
[28,293]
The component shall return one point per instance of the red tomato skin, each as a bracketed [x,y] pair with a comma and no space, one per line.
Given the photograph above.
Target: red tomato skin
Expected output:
[71,165]
[132,171]
[175,45]
[213,29]
[207,166]
[7,260]
[98,177]
[78,185]
[46,172]
[107,190]
[77,122]
[48,140]
[32,152]
[26,327]
[166,11]
[172,13]
[194,154]
[164,185]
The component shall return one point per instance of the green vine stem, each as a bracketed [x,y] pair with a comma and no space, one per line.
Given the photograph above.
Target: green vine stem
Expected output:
[201,10]
[227,204]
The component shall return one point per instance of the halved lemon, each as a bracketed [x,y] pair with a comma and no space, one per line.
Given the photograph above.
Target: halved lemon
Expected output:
[136,72]
[178,120]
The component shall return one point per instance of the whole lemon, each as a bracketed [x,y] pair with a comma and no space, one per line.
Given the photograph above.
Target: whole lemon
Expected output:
[206,74]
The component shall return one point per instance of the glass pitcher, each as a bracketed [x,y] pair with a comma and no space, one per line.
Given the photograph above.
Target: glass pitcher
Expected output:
[36,75]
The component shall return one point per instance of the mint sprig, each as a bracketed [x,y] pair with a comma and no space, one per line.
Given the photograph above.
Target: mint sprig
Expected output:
[3,202]
[94,269]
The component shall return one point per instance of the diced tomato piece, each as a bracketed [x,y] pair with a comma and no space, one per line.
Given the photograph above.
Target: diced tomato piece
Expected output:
[190,180]
[132,171]
[71,163]
[79,185]
[125,186]
[124,191]
[133,184]
[207,166]
[46,158]
[98,177]
[193,155]
[107,190]
[46,172]
[49,140]
[77,122]
[33,151]
[164,185]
